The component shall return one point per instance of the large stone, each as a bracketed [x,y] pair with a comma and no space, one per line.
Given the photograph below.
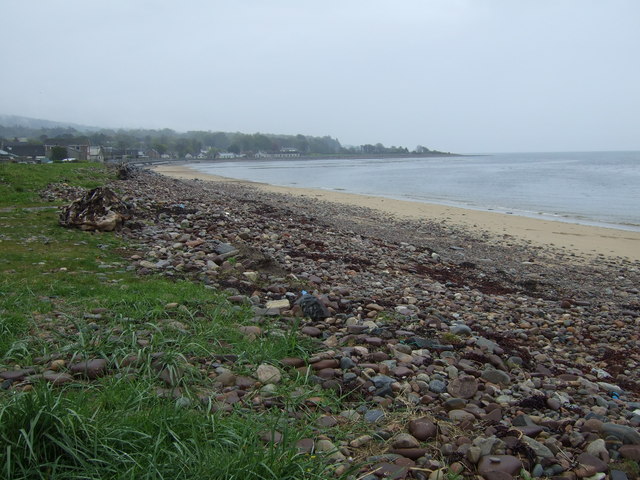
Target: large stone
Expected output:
[404,440]
[226,379]
[330,450]
[423,429]
[631,452]
[171,375]
[17,374]
[464,386]
[251,331]
[584,459]
[90,368]
[57,378]
[502,463]
[628,435]
[268,374]
[326,363]
[460,416]
[496,376]
[540,450]
[311,331]
[412,453]
[278,304]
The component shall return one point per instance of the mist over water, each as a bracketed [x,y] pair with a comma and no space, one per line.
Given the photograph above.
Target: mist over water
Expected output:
[599,188]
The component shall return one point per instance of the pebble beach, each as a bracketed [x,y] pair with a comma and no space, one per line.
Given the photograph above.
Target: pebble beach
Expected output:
[468,343]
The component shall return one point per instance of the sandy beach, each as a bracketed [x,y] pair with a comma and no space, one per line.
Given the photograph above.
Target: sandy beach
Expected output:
[581,240]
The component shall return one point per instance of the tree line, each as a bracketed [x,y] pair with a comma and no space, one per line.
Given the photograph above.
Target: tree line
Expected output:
[179,144]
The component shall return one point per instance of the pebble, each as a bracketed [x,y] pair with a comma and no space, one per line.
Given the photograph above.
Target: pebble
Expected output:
[91,369]
[266,373]
[422,429]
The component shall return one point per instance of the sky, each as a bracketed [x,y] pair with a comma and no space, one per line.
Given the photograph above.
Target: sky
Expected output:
[465,76]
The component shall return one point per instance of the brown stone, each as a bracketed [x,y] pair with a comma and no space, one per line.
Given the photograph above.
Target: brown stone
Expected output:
[503,463]
[245,382]
[584,459]
[311,331]
[631,452]
[464,386]
[326,373]
[422,429]
[91,368]
[327,421]
[390,471]
[17,374]
[327,363]
[271,437]
[412,453]
[405,440]
[57,378]
[402,372]
[226,378]
[251,331]
[292,362]
[305,445]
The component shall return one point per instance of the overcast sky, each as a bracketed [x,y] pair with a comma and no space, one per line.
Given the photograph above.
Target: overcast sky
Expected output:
[455,75]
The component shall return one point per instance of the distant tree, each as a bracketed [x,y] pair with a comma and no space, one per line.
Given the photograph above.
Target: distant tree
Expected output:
[58,153]
[368,148]
[233,148]
[182,147]
[160,148]
[301,144]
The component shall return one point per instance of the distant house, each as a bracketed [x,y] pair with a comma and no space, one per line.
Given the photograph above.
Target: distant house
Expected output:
[96,154]
[228,155]
[153,154]
[78,152]
[283,153]
[26,152]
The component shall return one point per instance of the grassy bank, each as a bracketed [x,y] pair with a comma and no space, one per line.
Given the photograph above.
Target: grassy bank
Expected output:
[151,408]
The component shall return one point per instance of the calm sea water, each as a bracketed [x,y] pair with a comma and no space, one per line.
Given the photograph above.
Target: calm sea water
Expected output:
[596,188]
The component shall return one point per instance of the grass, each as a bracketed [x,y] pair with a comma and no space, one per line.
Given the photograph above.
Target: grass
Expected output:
[76,434]
[20,184]
[68,295]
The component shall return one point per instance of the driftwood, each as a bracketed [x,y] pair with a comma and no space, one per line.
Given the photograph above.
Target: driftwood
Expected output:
[99,209]
[126,171]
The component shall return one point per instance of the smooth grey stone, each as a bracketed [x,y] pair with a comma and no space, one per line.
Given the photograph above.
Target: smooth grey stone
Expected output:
[496,376]
[537,471]
[618,475]
[372,416]
[382,381]
[346,363]
[437,386]
[628,435]
[540,450]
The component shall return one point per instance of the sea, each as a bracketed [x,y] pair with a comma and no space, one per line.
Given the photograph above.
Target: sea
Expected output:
[592,188]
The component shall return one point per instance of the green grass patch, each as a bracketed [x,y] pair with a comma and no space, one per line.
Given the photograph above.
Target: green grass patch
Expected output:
[20,184]
[68,295]
[72,434]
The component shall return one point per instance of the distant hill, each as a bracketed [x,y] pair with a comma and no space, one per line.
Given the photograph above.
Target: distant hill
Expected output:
[200,144]
[37,123]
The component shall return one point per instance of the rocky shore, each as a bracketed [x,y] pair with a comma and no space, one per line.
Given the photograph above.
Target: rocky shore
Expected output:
[461,354]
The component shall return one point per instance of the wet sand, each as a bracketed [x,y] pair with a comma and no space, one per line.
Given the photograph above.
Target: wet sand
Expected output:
[578,239]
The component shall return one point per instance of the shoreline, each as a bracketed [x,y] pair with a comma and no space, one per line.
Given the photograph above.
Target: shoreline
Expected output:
[578,239]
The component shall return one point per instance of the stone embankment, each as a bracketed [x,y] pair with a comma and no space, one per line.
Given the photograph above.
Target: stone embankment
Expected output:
[462,353]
